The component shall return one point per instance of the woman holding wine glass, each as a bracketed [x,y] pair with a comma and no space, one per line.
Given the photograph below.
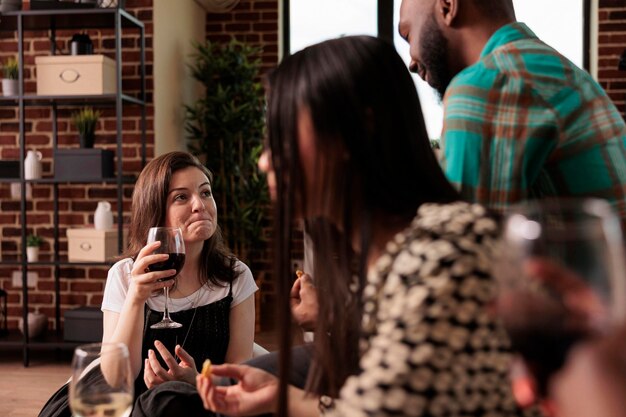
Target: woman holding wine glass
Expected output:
[211,296]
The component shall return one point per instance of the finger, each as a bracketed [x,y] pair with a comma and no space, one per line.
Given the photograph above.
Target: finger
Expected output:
[202,384]
[229,370]
[156,366]
[295,289]
[306,281]
[170,361]
[149,377]
[556,276]
[185,357]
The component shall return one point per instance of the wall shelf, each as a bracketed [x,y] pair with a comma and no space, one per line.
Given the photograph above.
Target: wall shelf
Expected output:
[114,19]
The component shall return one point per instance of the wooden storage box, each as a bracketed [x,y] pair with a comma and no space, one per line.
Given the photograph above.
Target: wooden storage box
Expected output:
[64,75]
[91,245]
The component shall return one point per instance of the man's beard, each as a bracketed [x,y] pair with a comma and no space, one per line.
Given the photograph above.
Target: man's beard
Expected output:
[434,53]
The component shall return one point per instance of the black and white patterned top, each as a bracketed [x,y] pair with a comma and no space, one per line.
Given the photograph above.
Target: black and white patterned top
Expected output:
[429,347]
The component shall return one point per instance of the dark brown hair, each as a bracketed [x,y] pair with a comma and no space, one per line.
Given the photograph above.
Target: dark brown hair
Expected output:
[149,209]
[374,164]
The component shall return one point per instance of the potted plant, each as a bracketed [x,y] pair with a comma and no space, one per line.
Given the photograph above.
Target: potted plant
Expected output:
[225,129]
[32,247]
[85,120]
[10,72]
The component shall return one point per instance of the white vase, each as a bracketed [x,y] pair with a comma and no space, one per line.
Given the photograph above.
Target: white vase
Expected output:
[32,253]
[32,165]
[37,324]
[103,217]
[9,87]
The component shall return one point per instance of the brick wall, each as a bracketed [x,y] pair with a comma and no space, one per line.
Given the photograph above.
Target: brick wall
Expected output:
[612,42]
[79,285]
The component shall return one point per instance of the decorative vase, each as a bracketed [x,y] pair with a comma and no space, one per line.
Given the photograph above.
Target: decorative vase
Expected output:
[103,217]
[32,253]
[10,5]
[10,87]
[37,324]
[32,165]
[87,139]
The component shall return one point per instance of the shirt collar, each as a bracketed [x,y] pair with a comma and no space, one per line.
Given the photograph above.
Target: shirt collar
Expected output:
[507,34]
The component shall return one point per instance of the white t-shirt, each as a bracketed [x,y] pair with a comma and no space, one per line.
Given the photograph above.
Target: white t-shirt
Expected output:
[118,281]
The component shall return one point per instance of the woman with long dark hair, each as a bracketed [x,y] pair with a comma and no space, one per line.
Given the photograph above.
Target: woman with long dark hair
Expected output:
[402,268]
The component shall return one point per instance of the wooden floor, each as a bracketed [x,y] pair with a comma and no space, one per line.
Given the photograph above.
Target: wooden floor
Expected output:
[24,391]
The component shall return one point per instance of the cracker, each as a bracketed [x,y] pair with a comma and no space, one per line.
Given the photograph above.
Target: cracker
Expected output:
[299,273]
[206,368]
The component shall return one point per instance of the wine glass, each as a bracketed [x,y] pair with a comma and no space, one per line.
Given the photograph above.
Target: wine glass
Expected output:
[561,279]
[102,382]
[171,239]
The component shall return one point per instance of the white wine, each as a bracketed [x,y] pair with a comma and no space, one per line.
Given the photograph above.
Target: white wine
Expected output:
[103,405]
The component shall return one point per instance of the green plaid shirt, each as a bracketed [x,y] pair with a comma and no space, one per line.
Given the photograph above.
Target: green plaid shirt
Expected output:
[524,122]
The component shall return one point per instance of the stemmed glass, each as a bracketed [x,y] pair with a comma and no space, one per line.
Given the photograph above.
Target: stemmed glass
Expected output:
[561,275]
[171,239]
[102,382]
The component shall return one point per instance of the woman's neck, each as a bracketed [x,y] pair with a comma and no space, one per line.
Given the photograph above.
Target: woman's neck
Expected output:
[383,229]
[189,275]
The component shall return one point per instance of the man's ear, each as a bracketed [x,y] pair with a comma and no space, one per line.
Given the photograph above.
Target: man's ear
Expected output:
[448,10]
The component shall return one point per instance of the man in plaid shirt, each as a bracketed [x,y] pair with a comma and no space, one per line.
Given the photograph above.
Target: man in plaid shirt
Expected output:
[520,120]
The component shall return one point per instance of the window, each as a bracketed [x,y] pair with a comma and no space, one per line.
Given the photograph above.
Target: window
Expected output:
[310,22]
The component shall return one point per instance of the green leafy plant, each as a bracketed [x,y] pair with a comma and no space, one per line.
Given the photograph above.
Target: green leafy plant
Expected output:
[86,120]
[225,128]
[10,70]
[33,240]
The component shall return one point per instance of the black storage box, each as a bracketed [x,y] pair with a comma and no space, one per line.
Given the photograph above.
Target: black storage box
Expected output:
[10,169]
[83,324]
[83,164]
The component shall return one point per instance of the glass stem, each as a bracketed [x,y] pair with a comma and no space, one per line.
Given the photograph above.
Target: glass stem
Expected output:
[166,310]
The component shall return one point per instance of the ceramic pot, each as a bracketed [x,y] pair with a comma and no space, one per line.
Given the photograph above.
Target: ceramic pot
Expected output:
[9,87]
[32,165]
[87,139]
[103,217]
[37,324]
[10,5]
[32,253]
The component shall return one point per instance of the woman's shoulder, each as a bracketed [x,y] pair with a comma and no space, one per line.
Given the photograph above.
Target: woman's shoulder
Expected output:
[121,266]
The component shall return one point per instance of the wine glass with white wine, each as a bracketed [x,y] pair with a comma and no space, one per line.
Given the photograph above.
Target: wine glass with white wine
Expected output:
[101,384]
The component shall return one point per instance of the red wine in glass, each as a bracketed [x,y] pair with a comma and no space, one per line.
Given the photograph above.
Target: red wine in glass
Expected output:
[560,274]
[171,239]
[175,261]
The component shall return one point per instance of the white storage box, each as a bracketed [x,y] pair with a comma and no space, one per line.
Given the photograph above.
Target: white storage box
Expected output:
[91,245]
[75,75]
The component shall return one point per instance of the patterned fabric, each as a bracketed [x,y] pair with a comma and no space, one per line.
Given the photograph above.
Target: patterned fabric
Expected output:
[429,347]
[524,122]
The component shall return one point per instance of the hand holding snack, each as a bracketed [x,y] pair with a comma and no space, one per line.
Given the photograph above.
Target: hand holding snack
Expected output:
[304,306]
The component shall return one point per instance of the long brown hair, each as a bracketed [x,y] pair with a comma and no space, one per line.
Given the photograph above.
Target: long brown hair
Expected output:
[149,209]
[375,165]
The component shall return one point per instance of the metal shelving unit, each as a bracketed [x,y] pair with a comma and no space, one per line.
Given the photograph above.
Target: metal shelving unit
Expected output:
[51,21]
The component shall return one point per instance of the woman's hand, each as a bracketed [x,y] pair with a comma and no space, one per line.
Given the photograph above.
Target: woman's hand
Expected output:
[144,283]
[154,374]
[255,393]
[303,298]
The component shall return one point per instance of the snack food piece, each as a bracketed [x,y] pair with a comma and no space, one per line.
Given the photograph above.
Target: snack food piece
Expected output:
[206,368]
[299,273]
